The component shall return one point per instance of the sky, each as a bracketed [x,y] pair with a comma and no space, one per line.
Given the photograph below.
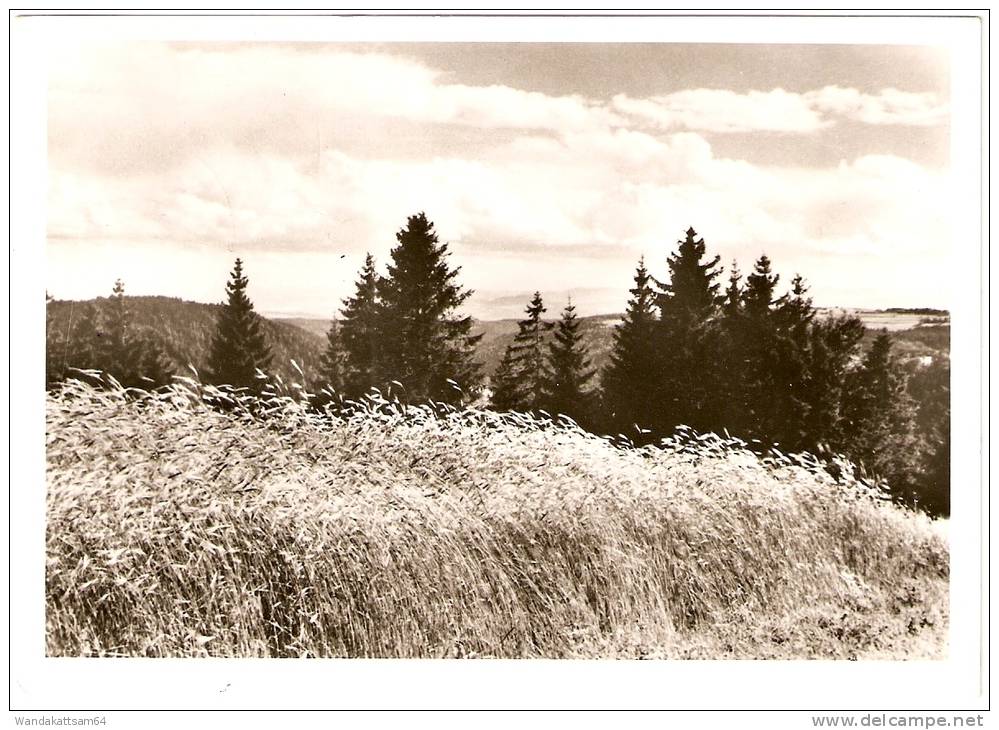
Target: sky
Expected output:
[548,167]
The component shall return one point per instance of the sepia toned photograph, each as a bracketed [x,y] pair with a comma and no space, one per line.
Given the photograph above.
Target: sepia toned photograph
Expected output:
[491,349]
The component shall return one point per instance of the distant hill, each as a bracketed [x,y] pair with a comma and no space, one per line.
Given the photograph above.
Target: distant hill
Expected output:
[184,332]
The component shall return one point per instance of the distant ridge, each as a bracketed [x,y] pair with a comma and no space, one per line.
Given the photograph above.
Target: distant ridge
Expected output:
[184,331]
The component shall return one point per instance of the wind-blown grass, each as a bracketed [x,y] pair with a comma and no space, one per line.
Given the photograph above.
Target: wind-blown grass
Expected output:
[263,529]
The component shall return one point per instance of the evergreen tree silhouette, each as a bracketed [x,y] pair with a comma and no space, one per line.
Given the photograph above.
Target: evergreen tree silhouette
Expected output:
[153,369]
[879,417]
[505,386]
[630,376]
[569,364]
[76,345]
[688,305]
[832,347]
[359,334]
[131,358]
[761,285]
[523,374]
[732,304]
[239,348]
[426,346]
[53,345]
[119,353]
[791,420]
[761,352]
[332,364]
[729,409]
[930,388]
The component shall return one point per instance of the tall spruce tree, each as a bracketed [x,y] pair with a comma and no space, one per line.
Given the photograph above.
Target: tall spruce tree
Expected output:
[732,304]
[359,334]
[569,364]
[879,420]
[730,404]
[522,377]
[118,350]
[133,359]
[76,345]
[688,305]
[632,372]
[759,296]
[760,349]
[85,341]
[426,346]
[505,387]
[239,347]
[333,361]
[791,400]
[833,346]
[930,388]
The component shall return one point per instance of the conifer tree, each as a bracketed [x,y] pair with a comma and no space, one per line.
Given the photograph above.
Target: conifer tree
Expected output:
[790,403]
[930,388]
[153,370]
[332,364]
[833,344]
[570,370]
[131,358]
[631,374]
[688,305]
[505,391]
[730,405]
[55,346]
[76,346]
[426,346]
[879,420]
[118,350]
[761,352]
[761,285]
[732,305]
[691,293]
[359,334]
[523,375]
[239,348]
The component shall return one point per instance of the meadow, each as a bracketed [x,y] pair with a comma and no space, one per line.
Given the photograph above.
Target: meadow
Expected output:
[197,522]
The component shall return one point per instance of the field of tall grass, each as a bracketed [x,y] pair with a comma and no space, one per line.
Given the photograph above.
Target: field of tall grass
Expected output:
[178,528]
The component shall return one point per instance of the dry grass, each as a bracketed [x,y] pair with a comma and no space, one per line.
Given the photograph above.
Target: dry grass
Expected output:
[177,529]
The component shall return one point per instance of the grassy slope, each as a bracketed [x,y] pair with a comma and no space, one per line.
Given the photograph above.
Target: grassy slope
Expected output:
[178,530]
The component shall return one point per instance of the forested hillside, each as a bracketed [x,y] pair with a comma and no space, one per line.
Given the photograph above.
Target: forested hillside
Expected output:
[183,331]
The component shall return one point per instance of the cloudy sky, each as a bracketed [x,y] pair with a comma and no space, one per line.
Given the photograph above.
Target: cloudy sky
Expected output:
[545,166]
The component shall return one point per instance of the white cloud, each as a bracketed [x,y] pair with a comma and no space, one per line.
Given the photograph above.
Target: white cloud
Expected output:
[587,195]
[722,111]
[719,110]
[204,152]
[131,109]
[890,106]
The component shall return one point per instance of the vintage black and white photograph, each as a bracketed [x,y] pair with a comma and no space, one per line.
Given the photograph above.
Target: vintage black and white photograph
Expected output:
[449,349]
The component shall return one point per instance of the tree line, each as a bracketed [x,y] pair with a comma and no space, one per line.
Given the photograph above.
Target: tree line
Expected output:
[745,360]
[753,363]
[102,338]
